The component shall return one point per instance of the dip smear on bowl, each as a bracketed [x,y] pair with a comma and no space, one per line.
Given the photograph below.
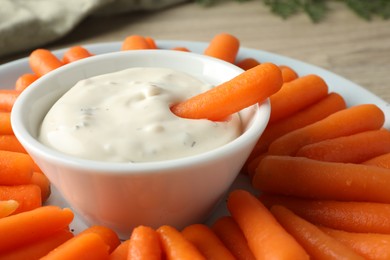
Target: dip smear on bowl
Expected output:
[125,117]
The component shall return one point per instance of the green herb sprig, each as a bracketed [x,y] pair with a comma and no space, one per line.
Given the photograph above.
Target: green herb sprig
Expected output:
[317,9]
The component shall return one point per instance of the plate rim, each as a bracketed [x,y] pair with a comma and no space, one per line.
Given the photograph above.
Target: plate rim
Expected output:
[352,92]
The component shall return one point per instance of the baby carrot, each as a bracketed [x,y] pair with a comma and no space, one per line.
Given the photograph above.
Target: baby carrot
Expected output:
[247,63]
[288,73]
[43,61]
[180,49]
[144,244]
[28,196]
[151,42]
[207,242]
[252,164]
[354,148]
[11,143]
[75,53]
[307,178]
[266,237]
[231,235]
[135,42]
[176,246]
[24,81]
[296,95]
[39,248]
[342,123]
[223,46]
[248,88]
[40,179]
[82,246]
[26,227]
[363,217]
[15,168]
[121,252]
[370,245]
[380,161]
[5,123]
[316,243]
[332,103]
[107,234]
[7,99]
[7,207]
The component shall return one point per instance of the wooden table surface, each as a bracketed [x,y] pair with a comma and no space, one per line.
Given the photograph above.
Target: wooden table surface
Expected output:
[342,43]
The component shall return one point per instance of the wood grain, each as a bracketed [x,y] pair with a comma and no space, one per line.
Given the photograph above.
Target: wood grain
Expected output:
[342,43]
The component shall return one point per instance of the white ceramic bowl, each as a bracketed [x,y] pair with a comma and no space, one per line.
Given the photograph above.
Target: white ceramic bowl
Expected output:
[121,196]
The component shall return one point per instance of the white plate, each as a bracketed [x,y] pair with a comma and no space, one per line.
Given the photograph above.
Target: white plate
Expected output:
[353,94]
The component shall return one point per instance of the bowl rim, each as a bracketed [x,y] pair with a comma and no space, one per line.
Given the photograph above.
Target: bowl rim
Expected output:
[260,120]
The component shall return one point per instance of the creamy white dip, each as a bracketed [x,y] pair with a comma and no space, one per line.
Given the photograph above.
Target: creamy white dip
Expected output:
[125,116]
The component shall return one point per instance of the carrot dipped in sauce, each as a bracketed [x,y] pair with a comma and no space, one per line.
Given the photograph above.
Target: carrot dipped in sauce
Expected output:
[248,88]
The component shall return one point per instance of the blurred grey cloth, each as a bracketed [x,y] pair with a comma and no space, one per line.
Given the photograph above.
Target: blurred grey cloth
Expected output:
[26,24]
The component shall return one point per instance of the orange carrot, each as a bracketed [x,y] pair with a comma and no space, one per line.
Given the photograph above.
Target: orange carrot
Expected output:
[15,168]
[207,242]
[144,244]
[24,81]
[75,53]
[231,235]
[11,143]
[296,95]
[180,49]
[316,243]
[151,42]
[370,245]
[247,63]
[82,246]
[7,207]
[43,61]
[252,164]
[363,217]
[223,46]
[121,252]
[252,86]
[40,179]
[28,196]
[35,166]
[288,73]
[342,123]
[266,237]
[39,248]
[7,99]
[176,246]
[24,228]
[332,103]
[380,161]
[354,148]
[107,234]
[307,178]
[135,42]
[5,123]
